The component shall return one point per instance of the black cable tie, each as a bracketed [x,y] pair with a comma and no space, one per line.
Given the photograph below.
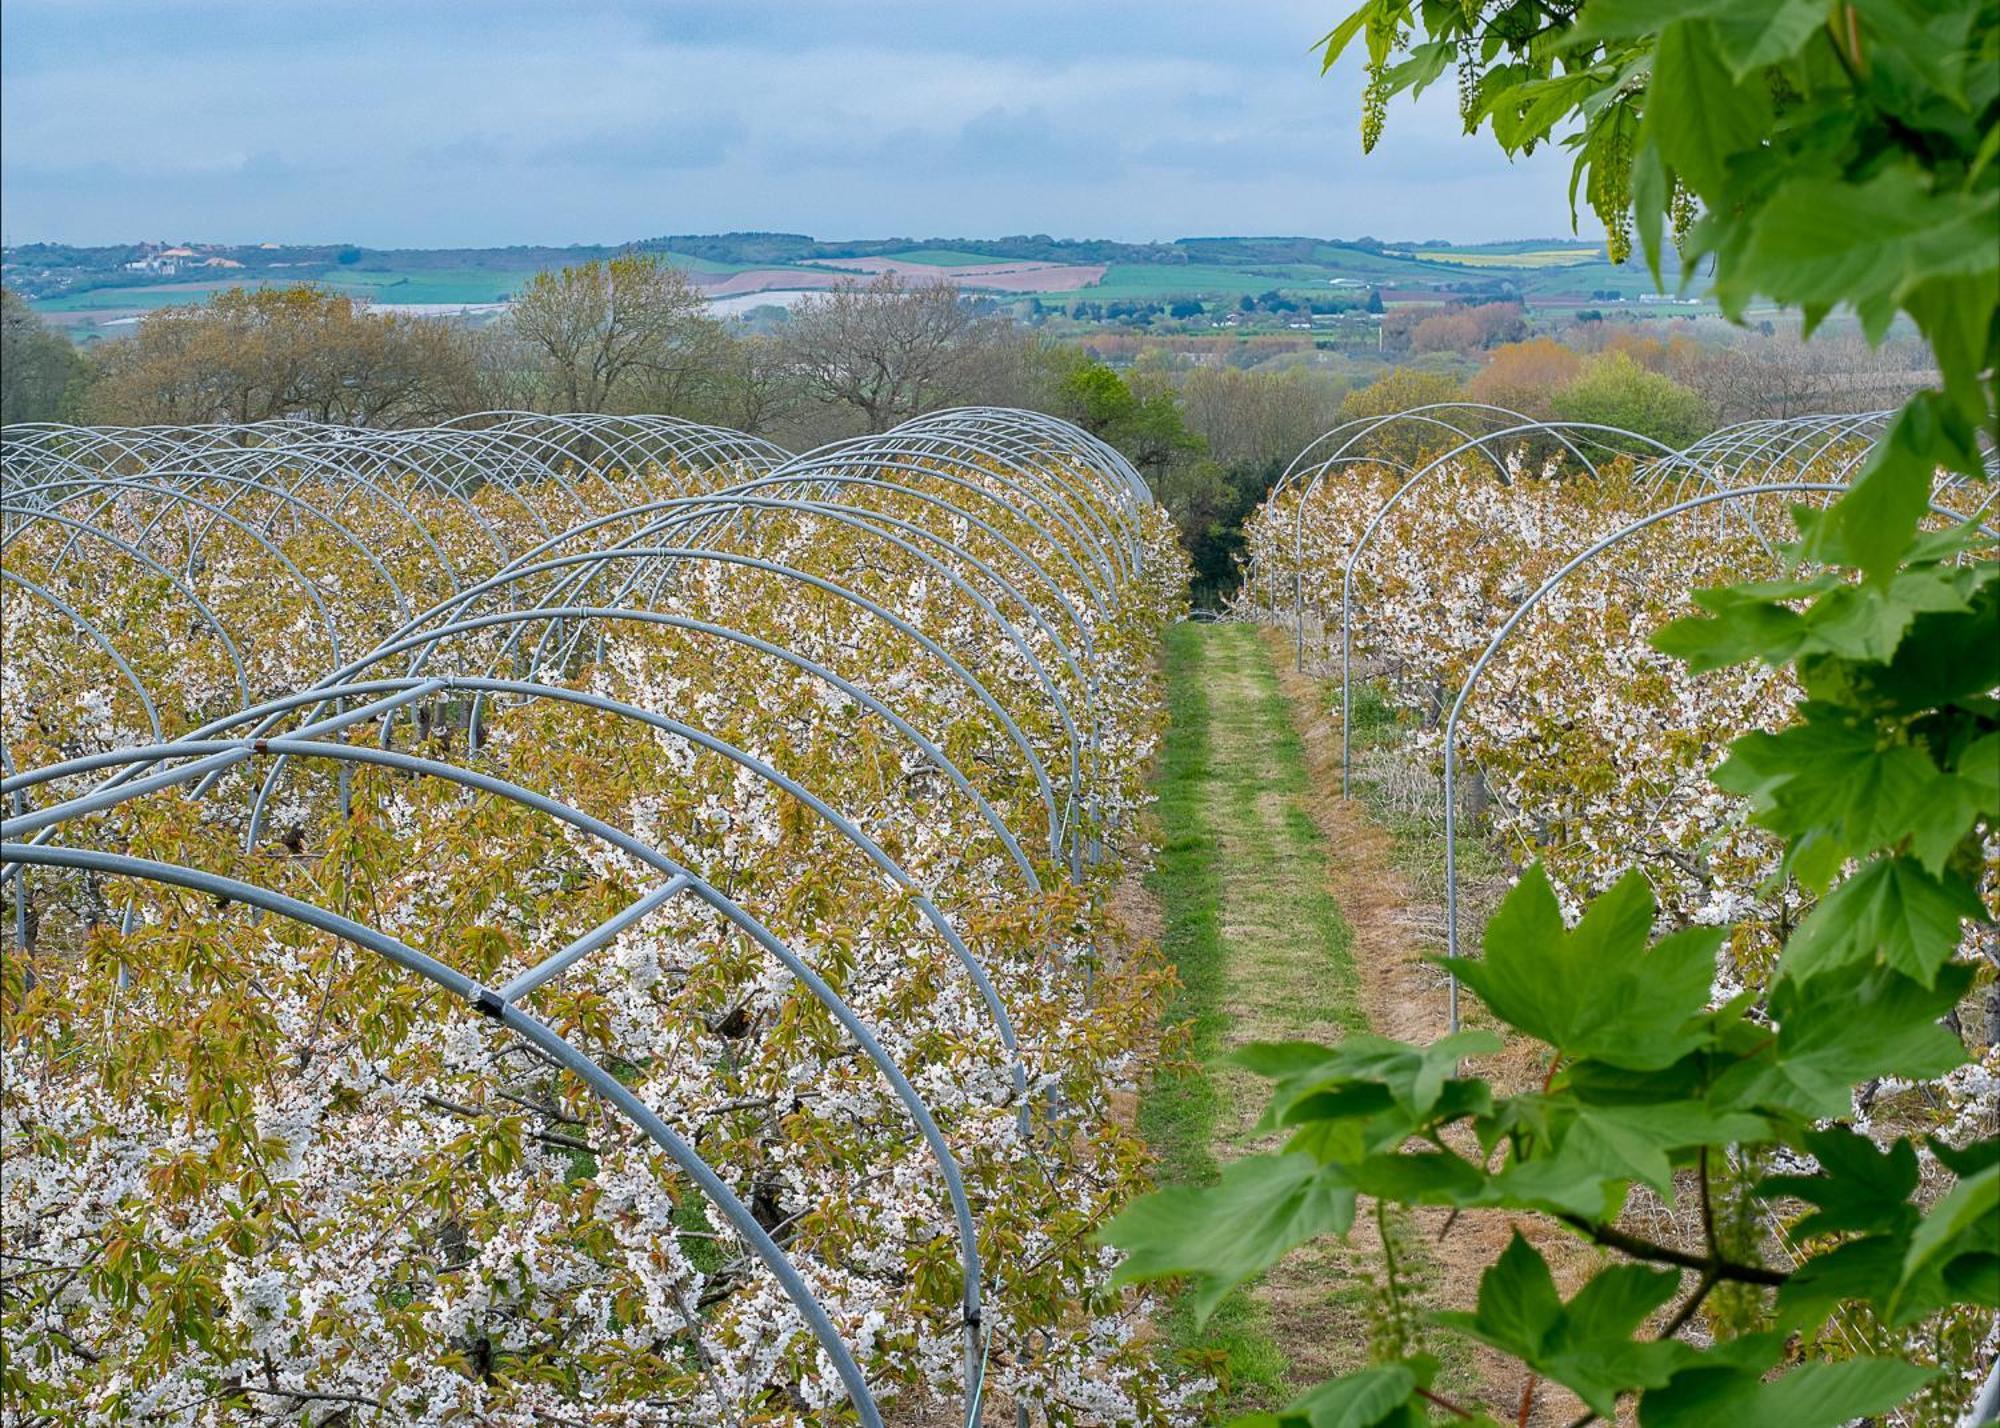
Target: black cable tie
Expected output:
[487,1003]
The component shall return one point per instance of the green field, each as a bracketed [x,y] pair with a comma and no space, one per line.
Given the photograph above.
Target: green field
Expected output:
[385,288]
[1213,270]
[440,285]
[1543,258]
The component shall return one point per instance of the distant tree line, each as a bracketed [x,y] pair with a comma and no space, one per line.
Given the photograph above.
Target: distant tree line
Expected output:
[1208,429]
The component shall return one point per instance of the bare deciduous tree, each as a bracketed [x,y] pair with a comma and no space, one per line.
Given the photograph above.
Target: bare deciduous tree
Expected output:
[619,334]
[888,350]
[1252,419]
[1780,375]
[751,387]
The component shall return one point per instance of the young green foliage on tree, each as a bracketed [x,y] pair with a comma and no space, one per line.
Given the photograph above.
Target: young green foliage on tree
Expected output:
[1821,156]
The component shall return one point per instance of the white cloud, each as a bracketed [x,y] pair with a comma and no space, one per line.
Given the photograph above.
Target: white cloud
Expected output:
[504,123]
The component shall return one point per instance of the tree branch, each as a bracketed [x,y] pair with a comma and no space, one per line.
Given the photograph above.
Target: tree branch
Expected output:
[1613,1238]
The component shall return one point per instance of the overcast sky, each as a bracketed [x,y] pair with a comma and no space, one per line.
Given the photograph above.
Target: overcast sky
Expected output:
[422,123]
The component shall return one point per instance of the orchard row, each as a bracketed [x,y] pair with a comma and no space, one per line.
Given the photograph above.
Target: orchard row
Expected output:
[768,808]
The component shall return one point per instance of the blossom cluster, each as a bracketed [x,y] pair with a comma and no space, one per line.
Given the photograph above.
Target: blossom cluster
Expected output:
[255,1173]
[1583,746]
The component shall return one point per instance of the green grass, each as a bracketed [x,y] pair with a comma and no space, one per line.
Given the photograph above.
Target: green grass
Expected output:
[1152,282]
[386,287]
[1178,1112]
[1239,850]
[1551,258]
[1537,268]
[392,285]
[380,279]
[135,299]
[1417,839]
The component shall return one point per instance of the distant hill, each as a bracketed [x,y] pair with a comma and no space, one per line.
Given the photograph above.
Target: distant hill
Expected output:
[106,286]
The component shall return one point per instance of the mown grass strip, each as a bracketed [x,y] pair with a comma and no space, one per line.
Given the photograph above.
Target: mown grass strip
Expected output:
[1306,952]
[1178,1112]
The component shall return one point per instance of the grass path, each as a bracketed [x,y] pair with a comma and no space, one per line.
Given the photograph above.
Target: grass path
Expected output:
[1263,954]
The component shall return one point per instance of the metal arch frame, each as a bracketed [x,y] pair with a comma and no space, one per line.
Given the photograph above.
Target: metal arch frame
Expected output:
[945,443]
[872,850]
[1829,445]
[416,636]
[863,520]
[515,450]
[246,484]
[1361,428]
[1527,607]
[201,606]
[304,582]
[637,440]
[1365,425]
[378,462]
[99,638]
[735,447]
[213,756]
[1097,589]
[687,509]
[303,475]
[877,515]
[1096,596]
[1092,535]
[348,456]
[1299,544]
[412,688]
[530,1029]
[1091,494]
[930,749]
[993,434]
[695,506]
[981,444]
[409,690]
[1361,544]
[274,455]
[1096,456]
[171,494]
[1767,442]
[1318,472]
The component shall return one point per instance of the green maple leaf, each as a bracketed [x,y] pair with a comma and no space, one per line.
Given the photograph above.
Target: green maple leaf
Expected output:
[1220,1235]
[1959,1237]
[1859,1187]
[1384,1396]
[1892,909]
[1599,990]
[1818,1395]
[1855,1024]
[1413,1076]
[1585,1345]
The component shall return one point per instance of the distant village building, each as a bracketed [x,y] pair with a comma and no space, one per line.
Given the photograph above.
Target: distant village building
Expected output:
[167,262]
